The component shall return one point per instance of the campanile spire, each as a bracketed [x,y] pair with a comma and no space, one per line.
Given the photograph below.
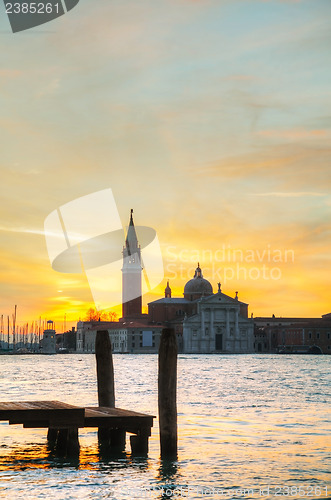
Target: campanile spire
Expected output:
[131,274]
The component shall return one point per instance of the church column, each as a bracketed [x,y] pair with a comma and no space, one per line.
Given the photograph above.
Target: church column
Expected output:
[212,335]
[236,324]
[236,331]
[202,323]
[227,323]
[211,323]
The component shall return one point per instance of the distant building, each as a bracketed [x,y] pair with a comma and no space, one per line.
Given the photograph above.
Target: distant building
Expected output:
[293,335]
[48,342]
[125,336]
[67,341]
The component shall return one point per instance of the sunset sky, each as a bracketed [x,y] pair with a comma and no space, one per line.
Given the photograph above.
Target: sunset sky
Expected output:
[210,118]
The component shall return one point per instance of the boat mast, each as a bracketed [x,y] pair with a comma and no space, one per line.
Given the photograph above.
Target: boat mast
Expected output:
[2,333]
[8,331]
[14,326]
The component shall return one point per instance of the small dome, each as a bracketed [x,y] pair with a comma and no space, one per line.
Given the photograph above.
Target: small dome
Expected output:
[197,287]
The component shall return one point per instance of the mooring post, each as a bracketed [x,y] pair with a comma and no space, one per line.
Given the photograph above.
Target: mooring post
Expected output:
[64,441]
[167,388]
[106,386]
[52,437]
[139,443]
[105,369]
[67,443]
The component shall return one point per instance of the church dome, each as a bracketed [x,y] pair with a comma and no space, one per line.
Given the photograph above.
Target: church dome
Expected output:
[197,286]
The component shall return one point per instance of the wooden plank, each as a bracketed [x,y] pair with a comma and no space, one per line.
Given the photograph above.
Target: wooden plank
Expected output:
[114,413]
[62,415]
[52,412]
[32,405]
[116,418]
[35,424]
[146,431]
[121,412]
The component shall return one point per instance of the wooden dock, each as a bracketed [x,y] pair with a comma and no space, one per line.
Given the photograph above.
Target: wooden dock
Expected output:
[63,421]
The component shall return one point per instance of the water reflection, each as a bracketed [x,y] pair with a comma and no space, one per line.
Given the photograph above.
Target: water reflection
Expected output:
[34,456]
[168,470]
[167,478]
[40,456]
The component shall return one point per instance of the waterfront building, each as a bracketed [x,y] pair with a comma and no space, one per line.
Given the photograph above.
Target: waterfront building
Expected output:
[125,336]
[293,335]
[48,342]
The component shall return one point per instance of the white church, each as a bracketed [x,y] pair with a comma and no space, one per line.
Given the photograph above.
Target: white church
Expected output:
[206,322]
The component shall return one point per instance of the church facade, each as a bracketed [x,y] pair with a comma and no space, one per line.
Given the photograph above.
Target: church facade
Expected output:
[219,326]
[205,322]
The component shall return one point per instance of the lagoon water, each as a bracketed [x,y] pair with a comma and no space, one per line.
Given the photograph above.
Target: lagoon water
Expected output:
[250,426]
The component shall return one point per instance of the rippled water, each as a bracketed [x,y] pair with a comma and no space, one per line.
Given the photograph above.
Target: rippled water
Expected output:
[246,422]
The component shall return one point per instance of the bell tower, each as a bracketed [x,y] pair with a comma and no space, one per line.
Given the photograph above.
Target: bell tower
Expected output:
[131,274]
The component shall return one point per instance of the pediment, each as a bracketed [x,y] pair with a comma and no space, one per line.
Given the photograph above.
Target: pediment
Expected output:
[225,299]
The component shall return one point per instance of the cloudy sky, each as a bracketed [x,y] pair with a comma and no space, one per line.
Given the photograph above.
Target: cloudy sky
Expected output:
[211,118]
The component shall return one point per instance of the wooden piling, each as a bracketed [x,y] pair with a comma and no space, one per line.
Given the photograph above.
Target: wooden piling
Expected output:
[64,442]
[67,443]
[52,437]
[105,369]
[106,386]
[167,388]
[139,443]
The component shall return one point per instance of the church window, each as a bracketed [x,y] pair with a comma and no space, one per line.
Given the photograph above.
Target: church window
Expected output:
[231,331]
[318,335]
[309,334]
[195,333]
